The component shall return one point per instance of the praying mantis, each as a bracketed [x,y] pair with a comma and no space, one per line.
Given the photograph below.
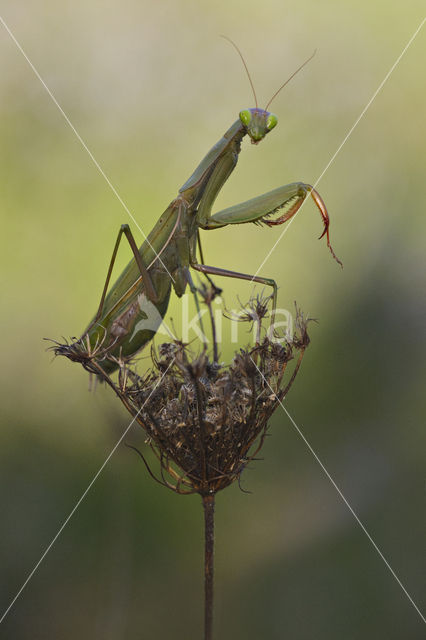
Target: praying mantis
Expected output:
[164,260]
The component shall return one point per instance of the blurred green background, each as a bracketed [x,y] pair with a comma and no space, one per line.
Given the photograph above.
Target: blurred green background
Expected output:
[150,87]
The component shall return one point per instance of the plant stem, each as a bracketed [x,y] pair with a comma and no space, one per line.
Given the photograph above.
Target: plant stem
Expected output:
[208,504]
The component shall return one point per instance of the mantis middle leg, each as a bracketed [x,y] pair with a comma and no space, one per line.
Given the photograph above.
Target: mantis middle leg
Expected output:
[217,271]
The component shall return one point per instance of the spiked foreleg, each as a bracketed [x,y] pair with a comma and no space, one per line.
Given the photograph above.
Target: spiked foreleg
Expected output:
[260,209]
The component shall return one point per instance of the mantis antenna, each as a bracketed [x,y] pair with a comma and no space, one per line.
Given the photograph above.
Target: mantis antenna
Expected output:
[245,66]
[288,80]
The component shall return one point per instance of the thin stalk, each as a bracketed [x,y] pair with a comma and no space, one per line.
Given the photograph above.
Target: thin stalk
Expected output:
[214,337]
[208,504]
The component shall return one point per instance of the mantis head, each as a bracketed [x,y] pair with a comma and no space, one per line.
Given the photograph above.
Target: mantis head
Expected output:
[257,123]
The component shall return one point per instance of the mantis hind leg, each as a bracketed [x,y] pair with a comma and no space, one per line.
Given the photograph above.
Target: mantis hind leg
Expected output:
[146,278]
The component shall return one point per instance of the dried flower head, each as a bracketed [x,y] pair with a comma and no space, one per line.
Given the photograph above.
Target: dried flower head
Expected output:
[204,420]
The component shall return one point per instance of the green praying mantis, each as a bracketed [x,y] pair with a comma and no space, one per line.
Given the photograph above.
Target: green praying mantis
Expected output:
[117,331]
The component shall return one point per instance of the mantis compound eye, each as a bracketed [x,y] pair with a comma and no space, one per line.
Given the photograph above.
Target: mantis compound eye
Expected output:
[271,122]
[245,117]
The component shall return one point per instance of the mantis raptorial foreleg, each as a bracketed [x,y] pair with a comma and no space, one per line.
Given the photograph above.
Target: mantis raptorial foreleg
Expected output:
[260,208]
[257,210]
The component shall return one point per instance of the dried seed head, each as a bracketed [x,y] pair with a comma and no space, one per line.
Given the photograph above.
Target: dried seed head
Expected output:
[205,421]
[253,312]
